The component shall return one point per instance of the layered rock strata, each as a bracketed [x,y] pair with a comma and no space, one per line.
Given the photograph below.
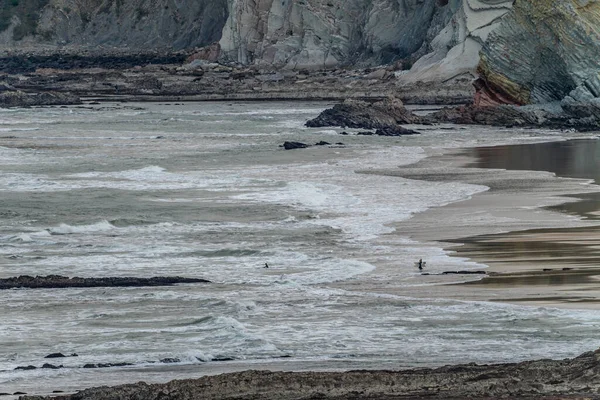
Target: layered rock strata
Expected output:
[577,378]
[543,51]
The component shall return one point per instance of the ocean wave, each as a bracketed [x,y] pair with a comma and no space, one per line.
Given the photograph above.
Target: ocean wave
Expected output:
[65,229]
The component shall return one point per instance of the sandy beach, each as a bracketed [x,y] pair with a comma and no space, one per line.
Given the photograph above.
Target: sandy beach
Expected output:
[545,252]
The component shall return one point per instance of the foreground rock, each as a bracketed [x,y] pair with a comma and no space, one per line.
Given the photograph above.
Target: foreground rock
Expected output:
[384,116]
[17,98]
[57,281]
[576,378]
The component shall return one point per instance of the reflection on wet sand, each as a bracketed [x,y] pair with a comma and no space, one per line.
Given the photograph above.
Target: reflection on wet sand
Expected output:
[563,264]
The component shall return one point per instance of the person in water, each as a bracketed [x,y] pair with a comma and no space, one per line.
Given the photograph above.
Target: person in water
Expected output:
[266,265]
[421,264]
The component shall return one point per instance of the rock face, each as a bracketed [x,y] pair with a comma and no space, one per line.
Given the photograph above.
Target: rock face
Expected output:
[444,34]
[576,378]
[456,37]
[130,24]
[543,51]
[325,33]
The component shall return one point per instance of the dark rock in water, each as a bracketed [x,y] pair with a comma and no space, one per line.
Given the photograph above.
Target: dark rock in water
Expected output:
[294,145]
[383,116]
[57,281]
[55,355]
[395,131]
[5,394]
[361,114]
[581,116]
[340,144]
[322,143]
[106,365]
[18,393]
[51,366]
[390,131]
[222,359]
[169,360]
[27,368]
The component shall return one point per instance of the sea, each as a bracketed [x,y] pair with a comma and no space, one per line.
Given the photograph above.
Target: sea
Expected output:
[206,190]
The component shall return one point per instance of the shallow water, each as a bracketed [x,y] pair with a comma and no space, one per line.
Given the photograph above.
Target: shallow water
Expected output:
[204,190]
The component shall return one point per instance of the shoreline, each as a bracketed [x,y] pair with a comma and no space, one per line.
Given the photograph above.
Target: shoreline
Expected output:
[535,256]
[548,182]
[574,378]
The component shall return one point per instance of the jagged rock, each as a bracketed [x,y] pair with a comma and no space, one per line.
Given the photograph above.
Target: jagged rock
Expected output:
[57,281]
[322,143]
[294,145]
[576,378]
[385,115]
[21,99]
[454,40]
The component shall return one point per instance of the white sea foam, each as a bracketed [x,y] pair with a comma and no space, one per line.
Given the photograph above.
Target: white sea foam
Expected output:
[65,229]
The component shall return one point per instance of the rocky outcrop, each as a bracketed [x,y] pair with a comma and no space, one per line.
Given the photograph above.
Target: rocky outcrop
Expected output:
[385,116]
[543,51]
[576,378]
[17,98]
[57,281]
[581,116]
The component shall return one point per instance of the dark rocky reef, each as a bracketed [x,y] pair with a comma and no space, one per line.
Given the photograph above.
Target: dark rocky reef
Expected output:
[17,98]
[384,116]
[57,281]
[577,378]
[581,116]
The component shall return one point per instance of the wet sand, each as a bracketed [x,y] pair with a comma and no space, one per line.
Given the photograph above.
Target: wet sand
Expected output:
[544,248]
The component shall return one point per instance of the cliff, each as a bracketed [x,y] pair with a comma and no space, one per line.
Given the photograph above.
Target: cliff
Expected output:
[440,37]
[544,51]
[532,51]
[134,25]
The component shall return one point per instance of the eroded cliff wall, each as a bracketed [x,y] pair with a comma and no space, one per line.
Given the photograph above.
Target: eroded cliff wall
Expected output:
[544,51]
[326,33]
[139,25]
